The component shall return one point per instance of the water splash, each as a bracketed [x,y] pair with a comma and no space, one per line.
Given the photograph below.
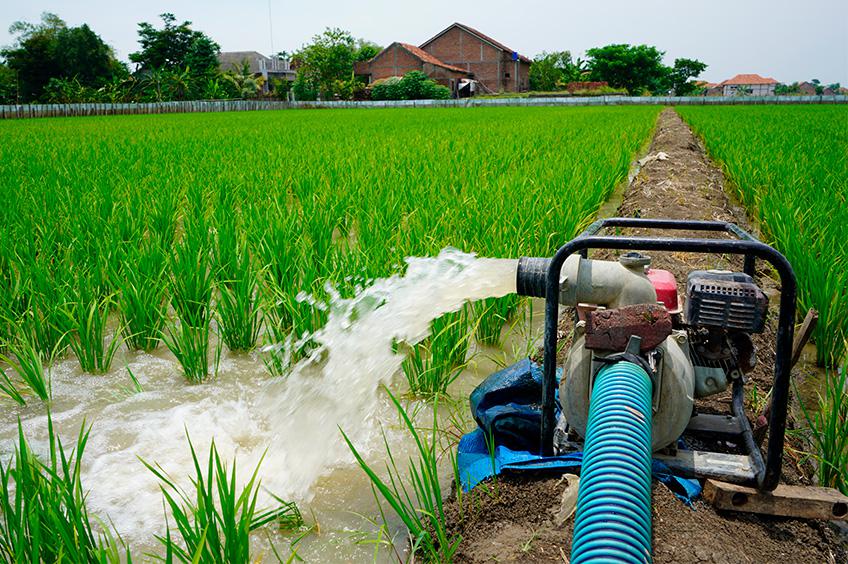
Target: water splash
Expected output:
[294,420]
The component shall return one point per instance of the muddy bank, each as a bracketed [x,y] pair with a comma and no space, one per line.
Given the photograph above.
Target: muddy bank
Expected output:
[515,521]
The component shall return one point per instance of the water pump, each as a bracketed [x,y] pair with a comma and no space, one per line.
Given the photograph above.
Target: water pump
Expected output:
[686,357]
[638,362]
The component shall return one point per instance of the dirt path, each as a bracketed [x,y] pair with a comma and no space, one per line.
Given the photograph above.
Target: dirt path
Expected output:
[515,522]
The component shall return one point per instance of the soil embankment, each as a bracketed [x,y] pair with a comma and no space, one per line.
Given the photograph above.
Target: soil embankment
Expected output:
[514,521]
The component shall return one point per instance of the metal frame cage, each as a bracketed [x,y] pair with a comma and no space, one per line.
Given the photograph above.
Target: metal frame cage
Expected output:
[764,474]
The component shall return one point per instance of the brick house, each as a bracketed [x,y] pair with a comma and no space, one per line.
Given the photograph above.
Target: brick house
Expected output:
[400,58]
[455,53]
[495,66]
[753,84]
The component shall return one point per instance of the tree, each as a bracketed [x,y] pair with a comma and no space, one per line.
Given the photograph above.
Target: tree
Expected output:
[681,73]
[8,85]
[52,50]
[175,48]
[551,71]
[325,66]
[635,67]
[366,50]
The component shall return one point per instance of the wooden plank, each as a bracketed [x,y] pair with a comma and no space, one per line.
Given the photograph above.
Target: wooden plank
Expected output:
[806,502]
[701,464]
[803,335]
[705,423]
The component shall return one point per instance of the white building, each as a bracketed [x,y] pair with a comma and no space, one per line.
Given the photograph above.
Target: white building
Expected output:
[751,84]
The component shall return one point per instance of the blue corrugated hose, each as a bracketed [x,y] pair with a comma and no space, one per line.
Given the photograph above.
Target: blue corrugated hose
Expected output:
[613,522]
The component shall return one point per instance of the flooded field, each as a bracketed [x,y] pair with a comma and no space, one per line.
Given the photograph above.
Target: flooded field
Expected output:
[293,421]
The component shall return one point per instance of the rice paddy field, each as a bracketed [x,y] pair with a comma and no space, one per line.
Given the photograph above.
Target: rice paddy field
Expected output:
[789,166]
[244,278]
[161,275]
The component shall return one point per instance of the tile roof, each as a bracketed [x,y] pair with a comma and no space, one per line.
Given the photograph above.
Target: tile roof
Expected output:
[426,57]
[482,36]
[748,79]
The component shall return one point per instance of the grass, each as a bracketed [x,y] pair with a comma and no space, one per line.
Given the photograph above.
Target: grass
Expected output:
[433,364]
[43,514]
[828,430]
[788,166]
[214,520]
[190,346]
[417,497]
[232,216]
[28,365]
[142,286]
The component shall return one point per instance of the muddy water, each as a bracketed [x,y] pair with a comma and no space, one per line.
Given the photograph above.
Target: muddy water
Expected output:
[294,422]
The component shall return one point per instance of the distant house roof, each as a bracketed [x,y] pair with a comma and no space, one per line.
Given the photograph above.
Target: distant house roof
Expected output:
[416,52]
[426,57]
[746,79]
[484,37]
[233,60]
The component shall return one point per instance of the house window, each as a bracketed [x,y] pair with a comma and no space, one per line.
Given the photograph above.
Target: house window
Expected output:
[506,75]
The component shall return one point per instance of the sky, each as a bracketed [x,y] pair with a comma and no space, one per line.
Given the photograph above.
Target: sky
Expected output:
[786,40]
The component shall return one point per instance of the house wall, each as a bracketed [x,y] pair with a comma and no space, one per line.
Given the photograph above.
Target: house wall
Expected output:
[490,65]
[443,76]
[394,61]
[755,89]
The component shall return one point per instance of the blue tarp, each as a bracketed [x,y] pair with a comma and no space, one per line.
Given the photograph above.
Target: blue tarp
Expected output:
[505,406]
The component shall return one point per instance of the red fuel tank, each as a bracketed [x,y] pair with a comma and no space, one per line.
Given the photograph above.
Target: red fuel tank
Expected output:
[666,287]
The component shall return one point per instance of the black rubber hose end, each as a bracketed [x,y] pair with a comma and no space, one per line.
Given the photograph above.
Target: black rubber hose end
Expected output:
[531,276]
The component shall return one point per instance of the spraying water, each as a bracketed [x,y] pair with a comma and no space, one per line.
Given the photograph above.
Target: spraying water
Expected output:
[293,421]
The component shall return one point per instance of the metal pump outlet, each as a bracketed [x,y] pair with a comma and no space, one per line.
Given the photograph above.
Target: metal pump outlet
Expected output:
[685,362]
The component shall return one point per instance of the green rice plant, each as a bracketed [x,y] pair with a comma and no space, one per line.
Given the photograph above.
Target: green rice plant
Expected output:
[142,303]
[238,310]
[416,498]
[828,430]
[89,316]
[192,281]
[28,365]
[43,513]
[433,364]
[787,165]
[46,317]
[9,389]
[491,316]
[190,345]
[214,520]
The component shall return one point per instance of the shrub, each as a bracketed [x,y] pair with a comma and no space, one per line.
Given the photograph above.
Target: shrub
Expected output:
[415,85]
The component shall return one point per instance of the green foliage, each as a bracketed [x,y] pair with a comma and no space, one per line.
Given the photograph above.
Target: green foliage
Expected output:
[433,364]
[828,430]
[415,85]
[52,50]
[681,73]
[29,367]
[8,85]
[639,69]
[416,498]
[175,47]
[788,167]
[214,520]
[552,71]
[325,66]
[232,216]
[43,515]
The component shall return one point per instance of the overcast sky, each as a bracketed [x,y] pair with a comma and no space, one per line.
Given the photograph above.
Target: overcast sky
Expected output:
[785,39]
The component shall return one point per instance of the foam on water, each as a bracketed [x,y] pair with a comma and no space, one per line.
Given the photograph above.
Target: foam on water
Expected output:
[293,421]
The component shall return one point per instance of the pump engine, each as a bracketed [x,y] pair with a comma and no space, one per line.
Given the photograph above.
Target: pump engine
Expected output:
[629,311]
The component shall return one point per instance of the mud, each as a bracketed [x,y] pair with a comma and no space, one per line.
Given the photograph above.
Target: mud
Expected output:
[513,522]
